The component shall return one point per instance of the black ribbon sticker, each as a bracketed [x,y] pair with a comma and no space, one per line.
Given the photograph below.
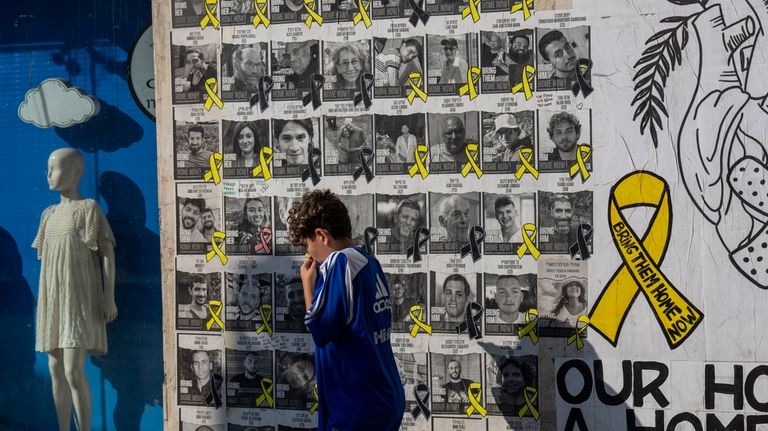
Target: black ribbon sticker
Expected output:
[316,82]
[364,92]
[581,246]
[583,67]
[421,402]
[418,14]
[471,324]
[313,165]
[262,95]
[420,237]
[366,161]
[476,236]
[369,236]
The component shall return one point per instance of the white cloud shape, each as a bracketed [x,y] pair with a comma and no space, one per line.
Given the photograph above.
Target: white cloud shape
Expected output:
[54,103]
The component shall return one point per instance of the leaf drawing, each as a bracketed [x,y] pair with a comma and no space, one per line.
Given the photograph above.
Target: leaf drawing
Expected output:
[663,52]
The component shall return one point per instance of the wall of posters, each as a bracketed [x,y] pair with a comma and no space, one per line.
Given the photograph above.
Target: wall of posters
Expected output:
[479,146]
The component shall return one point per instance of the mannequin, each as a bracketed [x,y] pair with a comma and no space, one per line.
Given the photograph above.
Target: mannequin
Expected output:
[76,298]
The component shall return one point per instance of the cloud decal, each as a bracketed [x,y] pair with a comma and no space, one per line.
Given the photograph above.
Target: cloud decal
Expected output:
[54,103]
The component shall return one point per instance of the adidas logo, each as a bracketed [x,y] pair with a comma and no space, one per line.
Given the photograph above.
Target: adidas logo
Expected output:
[382,297]
[381,292]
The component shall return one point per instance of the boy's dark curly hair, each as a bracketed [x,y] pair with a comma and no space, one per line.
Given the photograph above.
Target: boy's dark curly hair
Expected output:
[319,209]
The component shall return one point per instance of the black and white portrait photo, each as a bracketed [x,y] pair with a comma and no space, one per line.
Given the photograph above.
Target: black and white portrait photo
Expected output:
[451,377]
[398,138]
[397,218]
[248,225]
[193,67]
[450,294]
[293,64]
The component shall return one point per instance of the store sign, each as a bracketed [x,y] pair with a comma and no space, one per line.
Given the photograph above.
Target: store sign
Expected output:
[141,72]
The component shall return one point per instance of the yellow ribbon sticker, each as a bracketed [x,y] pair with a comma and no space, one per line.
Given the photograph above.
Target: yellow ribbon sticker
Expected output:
[210,15]
[214,308]
[364,8]
[525,82]
[416,313]
[530,394]
[677,317]
[583,154]
[420,155]
[211,87]
[471,9]
[415,79]
[266,316]
[526,159]
[314,407]
[261,18]
[581,326]
[214,172]
[473,76]
[217,240]
[309,6]
[265,158]
[473,393]
[529,236]
[266,395]
[531,325]
[525,6]
[472,151]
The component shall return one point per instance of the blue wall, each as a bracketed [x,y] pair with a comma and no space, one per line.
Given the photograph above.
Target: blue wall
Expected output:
[85,42]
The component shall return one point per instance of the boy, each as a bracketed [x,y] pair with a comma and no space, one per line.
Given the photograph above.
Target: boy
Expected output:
[349,315]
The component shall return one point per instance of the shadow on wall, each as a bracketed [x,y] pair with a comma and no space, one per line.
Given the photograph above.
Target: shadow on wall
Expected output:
[134,364]
[98,133]
[17,320]
[580,376]
[73,67]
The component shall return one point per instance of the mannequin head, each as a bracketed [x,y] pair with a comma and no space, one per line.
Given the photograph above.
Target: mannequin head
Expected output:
[65,168]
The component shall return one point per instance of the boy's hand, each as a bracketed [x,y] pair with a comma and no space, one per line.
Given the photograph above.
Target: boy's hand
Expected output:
[308,274]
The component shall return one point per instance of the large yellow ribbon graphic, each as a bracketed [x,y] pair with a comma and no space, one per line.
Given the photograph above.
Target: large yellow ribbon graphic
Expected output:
[217,240]
[420,155]
[472,151]
[266,316]
[581,326]
[530,394]
[529,236]
[416,313]
[214,308]
[415,79]
[309,6]
[316,404]
[640,272]
[471,9]
[524,6]
[531,324]
[211,87]
[525,82]
[261,18]
[265,158]
[362,15]
[526,159]
[583,154]
[266,395]
[210,15]
[473,393]
[215,162]
[473,76]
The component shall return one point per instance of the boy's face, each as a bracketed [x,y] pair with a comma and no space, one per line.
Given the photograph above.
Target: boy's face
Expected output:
[317,248]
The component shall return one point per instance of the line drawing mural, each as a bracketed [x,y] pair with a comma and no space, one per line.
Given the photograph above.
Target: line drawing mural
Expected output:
[721,144]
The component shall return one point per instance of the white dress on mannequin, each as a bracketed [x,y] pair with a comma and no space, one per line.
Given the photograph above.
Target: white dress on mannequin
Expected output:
[70,300]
